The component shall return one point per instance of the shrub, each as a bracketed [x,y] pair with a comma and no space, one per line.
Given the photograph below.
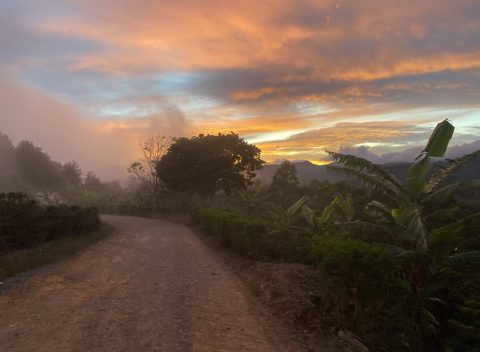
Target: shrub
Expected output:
[236,231]
[369,293]
[61,221]
[22,221]
[86,219]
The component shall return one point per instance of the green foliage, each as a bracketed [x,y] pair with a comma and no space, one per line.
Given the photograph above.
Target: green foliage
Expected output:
[369,294]
[459,319]
[24,223]
[236,231]
[209,163]
[363,269]
[438,142]
[285,187]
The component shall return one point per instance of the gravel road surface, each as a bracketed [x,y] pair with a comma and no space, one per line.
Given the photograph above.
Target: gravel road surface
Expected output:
[152,286]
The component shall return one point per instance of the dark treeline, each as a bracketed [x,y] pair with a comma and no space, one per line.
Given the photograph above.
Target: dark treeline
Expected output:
[26,168]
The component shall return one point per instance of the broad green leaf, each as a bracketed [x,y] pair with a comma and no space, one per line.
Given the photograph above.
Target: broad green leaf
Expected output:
[328,211]
[380,207]
[309,215]
[438,142]
[295,208]
[416,177]
[396,213]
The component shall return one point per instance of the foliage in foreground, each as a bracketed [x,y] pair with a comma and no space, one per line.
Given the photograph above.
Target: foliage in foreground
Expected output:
[25,223]
[16,261]
[401,258]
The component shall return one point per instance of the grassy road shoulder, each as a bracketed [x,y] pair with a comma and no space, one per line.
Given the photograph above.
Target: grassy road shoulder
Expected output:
[16,261]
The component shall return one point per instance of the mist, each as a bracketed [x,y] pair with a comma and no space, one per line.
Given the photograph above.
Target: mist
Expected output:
[66,133]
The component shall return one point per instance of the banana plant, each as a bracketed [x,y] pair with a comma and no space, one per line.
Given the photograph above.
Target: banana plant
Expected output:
[251,199]
[284,217]
[406,200]
[320,222]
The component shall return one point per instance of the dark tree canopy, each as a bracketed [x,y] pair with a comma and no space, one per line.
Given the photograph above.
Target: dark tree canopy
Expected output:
[92,182]
[209,163]
[36,170]
[71,174]
[285,177]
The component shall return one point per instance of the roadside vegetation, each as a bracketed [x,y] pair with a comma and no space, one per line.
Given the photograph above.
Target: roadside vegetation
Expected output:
[398,258]
[401,257]
[32,234]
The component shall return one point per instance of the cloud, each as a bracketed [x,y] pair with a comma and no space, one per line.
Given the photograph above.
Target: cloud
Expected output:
[294,76]
[380,142]
[105,146]
[407,155]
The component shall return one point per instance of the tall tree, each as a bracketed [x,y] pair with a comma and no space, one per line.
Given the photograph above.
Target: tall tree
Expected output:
[152,150]
[208,163]
[71,175]
[37,172]
[284,188]
[285,177]
[92,183]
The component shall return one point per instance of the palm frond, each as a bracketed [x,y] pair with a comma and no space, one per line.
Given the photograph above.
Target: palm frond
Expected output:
[452,168]
[416,179]
[381,208]
[376,182]
[355,162]
[275,209]
[443,194]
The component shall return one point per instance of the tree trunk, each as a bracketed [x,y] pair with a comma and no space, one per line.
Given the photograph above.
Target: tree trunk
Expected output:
[154,200]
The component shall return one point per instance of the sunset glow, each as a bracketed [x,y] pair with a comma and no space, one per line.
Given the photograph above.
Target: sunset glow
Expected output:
[293,77]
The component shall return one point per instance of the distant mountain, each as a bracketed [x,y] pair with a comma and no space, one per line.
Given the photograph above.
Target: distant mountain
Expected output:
[307,172]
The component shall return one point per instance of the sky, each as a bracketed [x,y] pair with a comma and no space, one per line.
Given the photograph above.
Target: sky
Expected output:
[87,80]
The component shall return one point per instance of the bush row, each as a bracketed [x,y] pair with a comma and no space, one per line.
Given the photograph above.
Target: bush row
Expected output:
[252,238]
[25,223]
[234,230]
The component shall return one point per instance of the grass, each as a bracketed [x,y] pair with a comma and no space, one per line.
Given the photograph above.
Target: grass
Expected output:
[15,262]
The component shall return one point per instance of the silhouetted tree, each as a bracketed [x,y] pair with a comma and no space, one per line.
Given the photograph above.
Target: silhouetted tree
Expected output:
[71,175]
[285,186]
[209,163]
[285,177]
[36,171]
[92,183]
[152,151]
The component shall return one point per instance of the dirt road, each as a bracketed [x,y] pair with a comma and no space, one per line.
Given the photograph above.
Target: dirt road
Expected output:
[153,286]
